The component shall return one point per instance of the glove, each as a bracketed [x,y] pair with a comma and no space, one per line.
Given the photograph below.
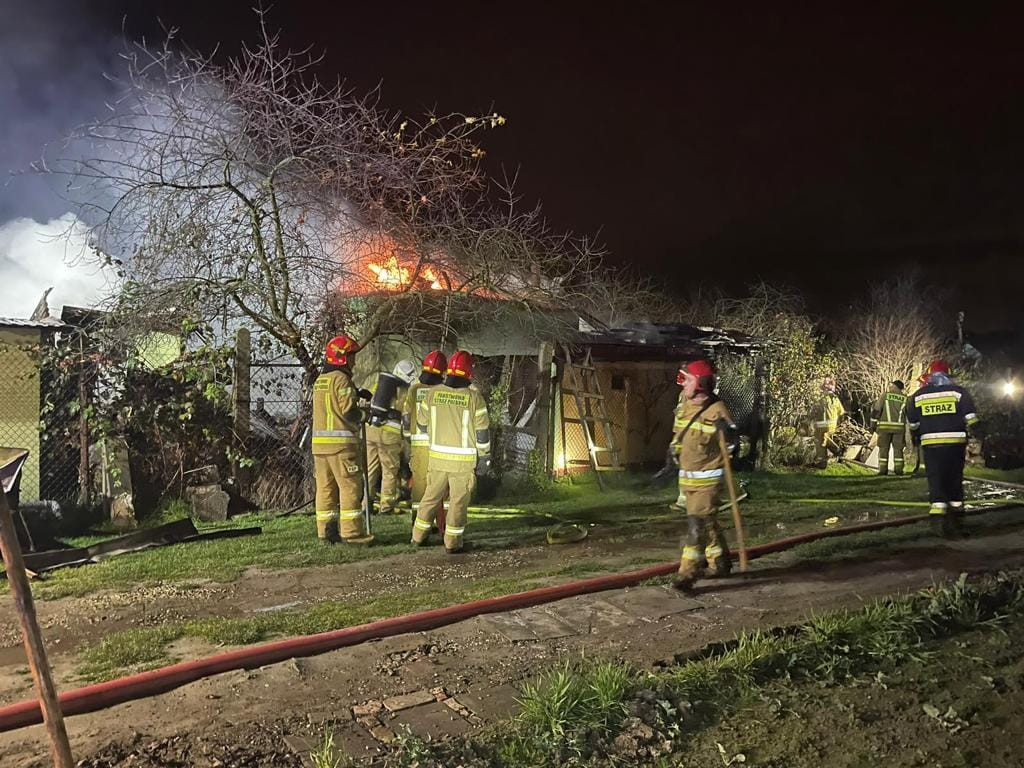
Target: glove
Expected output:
[672,457]
[727,428]
[483,465]
[364,394]
[394,415]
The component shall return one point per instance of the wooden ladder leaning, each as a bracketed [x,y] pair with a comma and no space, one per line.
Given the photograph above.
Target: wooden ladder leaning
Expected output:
[585,388]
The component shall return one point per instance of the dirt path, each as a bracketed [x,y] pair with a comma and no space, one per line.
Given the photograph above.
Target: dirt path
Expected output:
[267,717]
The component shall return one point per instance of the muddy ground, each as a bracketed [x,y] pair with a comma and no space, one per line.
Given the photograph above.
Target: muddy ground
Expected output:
[272,716]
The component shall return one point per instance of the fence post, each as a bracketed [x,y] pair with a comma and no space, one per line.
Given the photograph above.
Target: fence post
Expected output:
[84,479]
[543,423]
[241,392]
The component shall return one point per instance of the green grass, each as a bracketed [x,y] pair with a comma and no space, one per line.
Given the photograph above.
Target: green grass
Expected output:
[130,650]
[627,510]
[572,713]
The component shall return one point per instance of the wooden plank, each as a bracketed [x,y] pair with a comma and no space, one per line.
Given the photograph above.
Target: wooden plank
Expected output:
[35,649]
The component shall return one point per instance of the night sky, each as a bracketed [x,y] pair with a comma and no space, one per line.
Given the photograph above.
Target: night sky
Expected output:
[717,142]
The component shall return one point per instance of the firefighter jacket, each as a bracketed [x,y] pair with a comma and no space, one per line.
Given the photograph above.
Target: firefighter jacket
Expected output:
[700,456]
[828,413]
[411,431]
[335,415]
[457,426]
[890,412]
[940,413]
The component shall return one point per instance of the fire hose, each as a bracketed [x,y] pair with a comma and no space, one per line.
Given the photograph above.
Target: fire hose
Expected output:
[92,698]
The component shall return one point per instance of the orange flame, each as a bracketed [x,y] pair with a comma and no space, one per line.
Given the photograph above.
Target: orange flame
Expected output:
[391,274]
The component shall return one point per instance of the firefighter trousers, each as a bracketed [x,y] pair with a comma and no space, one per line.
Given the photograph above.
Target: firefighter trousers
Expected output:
[823,445]
[897,441]
[339,496]
[419,455]
[944,466]
[383,462]
[703,540]
[459,488]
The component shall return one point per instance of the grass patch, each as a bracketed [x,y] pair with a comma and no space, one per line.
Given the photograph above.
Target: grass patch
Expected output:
[605,714]
[130,650]
[133,650]
[628,510]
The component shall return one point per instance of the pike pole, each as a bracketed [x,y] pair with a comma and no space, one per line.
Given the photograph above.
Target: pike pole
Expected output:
[367,498]
[737,519]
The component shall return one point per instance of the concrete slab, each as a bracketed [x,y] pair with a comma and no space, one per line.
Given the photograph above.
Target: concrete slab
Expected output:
[510,626]
[587,614]
[434,721]
[546,626]
[491,704]
[653,603]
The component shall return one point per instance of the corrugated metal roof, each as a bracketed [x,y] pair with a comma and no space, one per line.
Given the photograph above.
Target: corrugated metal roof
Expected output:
[17,322]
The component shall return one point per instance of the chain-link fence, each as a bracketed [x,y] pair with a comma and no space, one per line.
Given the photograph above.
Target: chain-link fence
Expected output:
[43,414]
[282,475]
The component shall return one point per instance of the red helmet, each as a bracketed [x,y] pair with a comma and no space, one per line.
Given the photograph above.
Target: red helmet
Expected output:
[938,366]
[702,370]
[460,364]
[339,348]
[435,362]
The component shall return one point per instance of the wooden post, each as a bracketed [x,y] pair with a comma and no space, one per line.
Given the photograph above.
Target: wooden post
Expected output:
[35,650]
[84,478]
[730,484]
[241,392]
[542,419]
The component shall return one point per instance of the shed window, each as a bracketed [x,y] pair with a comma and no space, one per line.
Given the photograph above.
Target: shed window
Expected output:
[618,381]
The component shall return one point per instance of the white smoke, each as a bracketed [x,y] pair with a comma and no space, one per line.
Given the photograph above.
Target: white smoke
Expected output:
[35,256]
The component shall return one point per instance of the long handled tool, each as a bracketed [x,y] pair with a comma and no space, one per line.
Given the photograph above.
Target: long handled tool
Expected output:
[35,650]
[737,519]
[367,498]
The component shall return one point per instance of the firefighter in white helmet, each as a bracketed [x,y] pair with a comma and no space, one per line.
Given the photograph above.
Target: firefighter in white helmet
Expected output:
[384,433]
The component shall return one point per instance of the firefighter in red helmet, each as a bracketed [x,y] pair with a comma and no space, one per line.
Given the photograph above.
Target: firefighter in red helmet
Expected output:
[940,414]
[336,449]
[701,471]
[454,417]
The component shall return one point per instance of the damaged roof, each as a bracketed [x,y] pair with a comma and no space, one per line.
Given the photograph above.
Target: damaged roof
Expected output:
[17,322]
[652,340]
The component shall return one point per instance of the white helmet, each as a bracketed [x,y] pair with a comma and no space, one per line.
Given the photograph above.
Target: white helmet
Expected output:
[406,370]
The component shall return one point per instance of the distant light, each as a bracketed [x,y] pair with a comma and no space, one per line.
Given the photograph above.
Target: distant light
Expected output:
[1009,388]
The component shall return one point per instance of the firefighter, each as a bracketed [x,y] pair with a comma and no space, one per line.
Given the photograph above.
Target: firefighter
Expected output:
[941,413]
[701,471]
[384,433]
[889,421]
[827,416]
[454,417]
[336,449]
[431,374]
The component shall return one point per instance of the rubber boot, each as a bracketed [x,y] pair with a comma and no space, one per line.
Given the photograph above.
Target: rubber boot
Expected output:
[717,552]
[359,540]
[690,563]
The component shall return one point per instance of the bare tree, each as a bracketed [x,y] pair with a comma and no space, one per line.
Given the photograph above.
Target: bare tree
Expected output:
[889,334]
[251,192]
